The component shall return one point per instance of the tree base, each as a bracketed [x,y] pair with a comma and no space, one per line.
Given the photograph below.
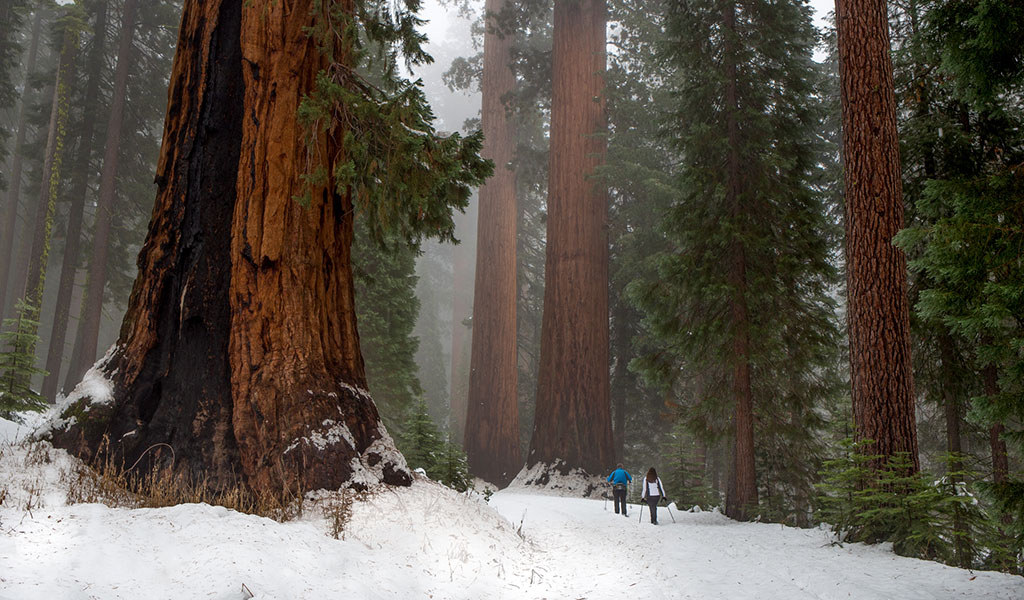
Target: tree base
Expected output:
[559,479]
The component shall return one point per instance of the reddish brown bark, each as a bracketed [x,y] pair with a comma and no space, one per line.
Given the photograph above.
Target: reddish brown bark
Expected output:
[741,503]
[79,184]
[84,353]
[879,325]
[10,214]
[239,348]
[573,418]
[1000,460]
[492,419]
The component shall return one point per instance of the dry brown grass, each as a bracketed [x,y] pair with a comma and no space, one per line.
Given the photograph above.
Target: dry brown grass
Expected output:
[115,485]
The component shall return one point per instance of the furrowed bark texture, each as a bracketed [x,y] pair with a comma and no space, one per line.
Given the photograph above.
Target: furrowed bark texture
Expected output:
[879,326]
[741,502]
[10,214]
[573,420]
[239,348]
[492,420]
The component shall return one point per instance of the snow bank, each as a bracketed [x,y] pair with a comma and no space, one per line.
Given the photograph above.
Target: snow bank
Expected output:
[426,541]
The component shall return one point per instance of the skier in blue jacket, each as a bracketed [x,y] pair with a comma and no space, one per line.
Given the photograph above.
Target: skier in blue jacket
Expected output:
[619,478]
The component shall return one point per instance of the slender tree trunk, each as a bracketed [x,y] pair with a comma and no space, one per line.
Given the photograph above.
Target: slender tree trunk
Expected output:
[84,353]
[1000,460]
[239,348]
[879,324]
[8,295]
[492,421]
[39,243]
[462,333]
[742,503]
[79,188]
[573,418]
[951,403]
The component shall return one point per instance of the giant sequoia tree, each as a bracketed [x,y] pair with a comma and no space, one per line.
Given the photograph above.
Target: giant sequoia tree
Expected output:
[876,271]
[573,416]
[239,349]
[492,420]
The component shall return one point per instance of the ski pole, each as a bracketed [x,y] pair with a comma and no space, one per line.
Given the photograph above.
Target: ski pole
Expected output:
[670,513]
[641,519]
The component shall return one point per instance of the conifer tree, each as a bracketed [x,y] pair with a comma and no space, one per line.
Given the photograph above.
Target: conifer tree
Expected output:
[17,364]
[573,415]
[12,16]
[420,441]
[741,286]
[12,197]
[966,240]
[386,308]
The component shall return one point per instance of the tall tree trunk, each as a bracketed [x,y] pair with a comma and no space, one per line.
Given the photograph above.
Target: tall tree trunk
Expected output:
[39,242]
[239,348]
[742,502]
[87,337]
[1000,460]
[462,333]
[492,419]
[573,418]
[8,295]
[951,403]
[79,188]
[879,323]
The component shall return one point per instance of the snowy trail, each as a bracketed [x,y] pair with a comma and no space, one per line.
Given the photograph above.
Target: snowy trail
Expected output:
[592,553]
[427,541]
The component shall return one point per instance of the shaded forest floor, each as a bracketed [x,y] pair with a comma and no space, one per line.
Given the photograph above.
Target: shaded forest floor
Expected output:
[428,542]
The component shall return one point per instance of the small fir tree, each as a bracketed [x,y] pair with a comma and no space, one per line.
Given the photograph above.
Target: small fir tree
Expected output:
[420,441]
[17,364]
[452,468]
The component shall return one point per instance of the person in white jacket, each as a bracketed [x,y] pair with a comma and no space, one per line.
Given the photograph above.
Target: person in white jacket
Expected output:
[653,492]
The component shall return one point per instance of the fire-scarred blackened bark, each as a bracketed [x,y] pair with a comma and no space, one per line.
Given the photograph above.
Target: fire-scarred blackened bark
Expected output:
[239,349]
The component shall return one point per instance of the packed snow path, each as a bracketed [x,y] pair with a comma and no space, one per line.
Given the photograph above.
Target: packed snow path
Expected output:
[587,551]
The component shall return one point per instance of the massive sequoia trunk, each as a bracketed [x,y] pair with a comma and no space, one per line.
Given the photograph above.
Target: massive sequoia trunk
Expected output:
[239,348]
[879,323]
[573,418]
[492,419]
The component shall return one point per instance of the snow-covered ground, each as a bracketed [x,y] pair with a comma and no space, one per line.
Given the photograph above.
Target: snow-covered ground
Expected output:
[428,542]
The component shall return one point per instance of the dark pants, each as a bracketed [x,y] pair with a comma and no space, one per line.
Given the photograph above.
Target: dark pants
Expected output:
[653,501]
[620,498]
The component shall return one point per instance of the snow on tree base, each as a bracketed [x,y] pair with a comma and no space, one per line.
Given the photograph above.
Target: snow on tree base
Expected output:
[558,479]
